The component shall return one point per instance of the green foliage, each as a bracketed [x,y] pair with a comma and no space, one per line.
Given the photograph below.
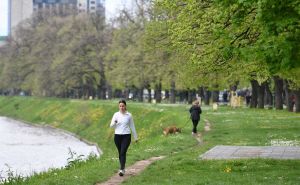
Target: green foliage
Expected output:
[57,55]
[12,178]
[74,159]
[193,43]
[221,36]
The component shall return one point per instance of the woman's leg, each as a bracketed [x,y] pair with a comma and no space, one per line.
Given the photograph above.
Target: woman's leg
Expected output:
[118,142]
[195,123]
[126,139]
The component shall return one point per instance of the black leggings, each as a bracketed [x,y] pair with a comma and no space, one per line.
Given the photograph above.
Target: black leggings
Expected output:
[122,143]
[195,123]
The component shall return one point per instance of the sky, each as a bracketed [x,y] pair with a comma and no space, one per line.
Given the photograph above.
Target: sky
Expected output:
[112,7]
[3,17]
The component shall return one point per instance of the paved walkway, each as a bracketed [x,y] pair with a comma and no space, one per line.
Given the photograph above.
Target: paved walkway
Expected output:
[237,152]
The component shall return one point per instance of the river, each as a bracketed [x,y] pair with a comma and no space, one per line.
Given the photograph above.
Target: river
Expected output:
[26,148]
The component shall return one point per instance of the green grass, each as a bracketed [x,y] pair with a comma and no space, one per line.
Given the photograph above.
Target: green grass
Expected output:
[90,120]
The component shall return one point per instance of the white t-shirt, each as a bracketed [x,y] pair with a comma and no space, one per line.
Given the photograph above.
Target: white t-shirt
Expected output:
[123,123]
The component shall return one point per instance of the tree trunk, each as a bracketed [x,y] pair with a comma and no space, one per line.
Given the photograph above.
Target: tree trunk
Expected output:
[215,96]
[109,92]
[102,84]
[191,96]
[157,93]
[149,95]
[278,92]
[182,95]
[101,92]
[288,96]
[201,92]
[260,95]
[207,95]
[254,85]
[117,93]
[126,93]
[172,93]
[92,92]
[269,96]
[297,100]
[140,94]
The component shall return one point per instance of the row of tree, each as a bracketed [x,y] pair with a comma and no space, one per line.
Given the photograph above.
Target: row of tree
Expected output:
[182,47]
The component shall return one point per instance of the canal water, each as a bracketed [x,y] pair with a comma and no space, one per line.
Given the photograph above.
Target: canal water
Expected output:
[25,148]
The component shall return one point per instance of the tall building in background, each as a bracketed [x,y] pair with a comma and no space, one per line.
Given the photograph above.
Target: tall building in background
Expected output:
[88,6]
[91,6]
[19,10]
[4,21]
[82,5]
[96,6]
[54,5]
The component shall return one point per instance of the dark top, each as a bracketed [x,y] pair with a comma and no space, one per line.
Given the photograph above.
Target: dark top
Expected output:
[195,112]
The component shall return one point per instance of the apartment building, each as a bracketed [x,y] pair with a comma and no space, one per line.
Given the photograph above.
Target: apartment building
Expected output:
[19,10]
[54,5]
[96,6]
[88,6]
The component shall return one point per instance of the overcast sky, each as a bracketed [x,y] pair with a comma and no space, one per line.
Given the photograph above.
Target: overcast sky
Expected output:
[112,7]
[3,17]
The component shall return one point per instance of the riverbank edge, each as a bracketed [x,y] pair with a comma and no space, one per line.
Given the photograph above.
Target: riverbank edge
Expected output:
[59,129]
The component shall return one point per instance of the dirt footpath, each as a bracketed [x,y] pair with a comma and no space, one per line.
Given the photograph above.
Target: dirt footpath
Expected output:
[139,166]
[133,170]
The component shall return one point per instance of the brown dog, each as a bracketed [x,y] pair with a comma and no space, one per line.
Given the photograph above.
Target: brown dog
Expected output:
[171,130]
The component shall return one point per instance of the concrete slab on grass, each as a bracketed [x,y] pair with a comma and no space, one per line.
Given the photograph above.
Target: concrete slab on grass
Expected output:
[243,152]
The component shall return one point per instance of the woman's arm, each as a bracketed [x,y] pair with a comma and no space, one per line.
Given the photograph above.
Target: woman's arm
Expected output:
[132,127]
[114,121]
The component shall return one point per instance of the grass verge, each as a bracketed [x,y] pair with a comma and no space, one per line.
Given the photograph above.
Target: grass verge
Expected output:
[90,120]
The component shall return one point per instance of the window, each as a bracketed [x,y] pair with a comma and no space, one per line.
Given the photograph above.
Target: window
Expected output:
[51,1]
[38,1]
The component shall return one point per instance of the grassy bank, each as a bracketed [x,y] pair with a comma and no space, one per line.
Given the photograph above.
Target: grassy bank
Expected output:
[90,120]
[243,126]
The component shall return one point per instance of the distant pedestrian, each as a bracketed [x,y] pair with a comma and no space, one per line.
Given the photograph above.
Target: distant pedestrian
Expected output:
[123,123]
[195,112]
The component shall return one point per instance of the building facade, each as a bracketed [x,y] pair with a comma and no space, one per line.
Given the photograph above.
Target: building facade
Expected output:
[96,6]
[88,6]
[19,11]
[54,5]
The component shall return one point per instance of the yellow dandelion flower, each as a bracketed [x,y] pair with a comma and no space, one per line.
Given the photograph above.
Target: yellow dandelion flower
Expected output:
[227,169]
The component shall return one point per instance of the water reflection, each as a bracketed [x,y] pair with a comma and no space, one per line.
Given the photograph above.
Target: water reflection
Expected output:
[26,148]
